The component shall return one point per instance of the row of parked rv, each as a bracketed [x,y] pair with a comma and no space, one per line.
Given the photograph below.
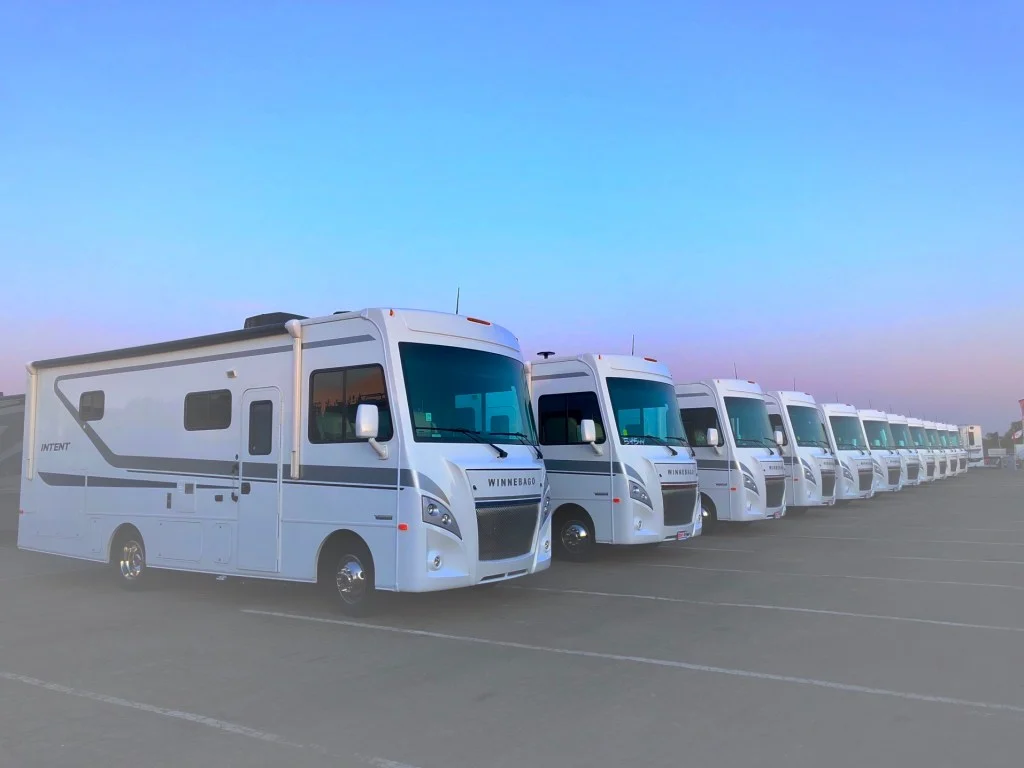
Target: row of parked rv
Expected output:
[405,450]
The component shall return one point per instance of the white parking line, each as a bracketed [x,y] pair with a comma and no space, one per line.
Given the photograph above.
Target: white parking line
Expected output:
[742,673]
[191,717]
[758,606]
[829,576]
[947,560]
[893,540]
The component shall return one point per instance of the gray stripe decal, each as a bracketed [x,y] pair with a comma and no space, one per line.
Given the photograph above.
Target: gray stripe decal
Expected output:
[173,364]
[492,503]
[633,473]
[259,470]
[714,464]
[746,470]
[693,394]
[81,481]
[579,467]
[576,375]
[789,460]
[338,342]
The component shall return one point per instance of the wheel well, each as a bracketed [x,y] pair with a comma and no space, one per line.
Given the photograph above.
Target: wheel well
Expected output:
[121,532]
[574,510]
[706,501]
[335,542]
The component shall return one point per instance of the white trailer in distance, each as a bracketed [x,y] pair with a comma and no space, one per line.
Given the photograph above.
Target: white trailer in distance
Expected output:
[618,464]
[382,449]
[971,438]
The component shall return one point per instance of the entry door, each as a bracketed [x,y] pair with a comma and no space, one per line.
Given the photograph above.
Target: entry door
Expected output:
[259,481]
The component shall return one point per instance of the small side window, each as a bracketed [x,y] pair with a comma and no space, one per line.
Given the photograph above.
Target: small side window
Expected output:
[208,410]
[261,427]
[777,425]
[90,405]
[697,421]
[561,417]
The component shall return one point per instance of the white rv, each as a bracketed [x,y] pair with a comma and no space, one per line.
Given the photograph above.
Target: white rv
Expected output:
[952,465]
[971,438]
[806,450]
[959,451]
[12,420]
[888,470]
[925,452]
[742,475]
[931,429]
[618,464]
[855,465]
[382,449]
[906,449]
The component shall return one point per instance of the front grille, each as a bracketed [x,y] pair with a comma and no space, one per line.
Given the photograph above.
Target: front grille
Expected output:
[931,469]
[867,477]
[912,471]
[505,528]
[894,475]
[679,501]
[775,488]
[942,466]
[828,483]
[963,463]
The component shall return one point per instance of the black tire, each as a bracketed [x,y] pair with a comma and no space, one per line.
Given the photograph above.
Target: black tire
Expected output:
[347,576]
[709,516]
[128,560]
[574,536]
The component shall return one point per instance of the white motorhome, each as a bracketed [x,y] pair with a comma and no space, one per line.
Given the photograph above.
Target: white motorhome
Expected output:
[618,464]
[806,449]
[847,435]
[888,470]
[971,438]
[903,444]
[952,462]
[12,420]
[959,451]
[931,430]
[382,449]
[925,452]
[742,475]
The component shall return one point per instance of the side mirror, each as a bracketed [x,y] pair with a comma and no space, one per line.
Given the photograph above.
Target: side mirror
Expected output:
[780,438]
[367,421]
[713,437]
[588,431]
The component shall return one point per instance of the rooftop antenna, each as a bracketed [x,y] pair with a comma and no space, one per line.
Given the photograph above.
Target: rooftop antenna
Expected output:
[545,355]
[735,375]
[794,383]
[458,295]
[632,344]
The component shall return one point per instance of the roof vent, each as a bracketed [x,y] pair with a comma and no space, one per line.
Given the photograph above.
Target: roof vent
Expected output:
[545,355]
[271,318]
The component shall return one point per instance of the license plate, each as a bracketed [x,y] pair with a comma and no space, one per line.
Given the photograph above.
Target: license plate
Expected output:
[682,536]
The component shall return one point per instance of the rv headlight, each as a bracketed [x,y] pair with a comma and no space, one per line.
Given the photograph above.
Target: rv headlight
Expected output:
[637,492]
[878,468]
[847,473]
[436,513]
[750,484]
[808,474]
[545,505]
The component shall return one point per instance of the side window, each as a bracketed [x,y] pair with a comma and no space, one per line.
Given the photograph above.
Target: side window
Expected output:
[208,410]
[261,427]
[90,406]
[697,422]
[776,421]
[970,438]
[561,415]
[334,396]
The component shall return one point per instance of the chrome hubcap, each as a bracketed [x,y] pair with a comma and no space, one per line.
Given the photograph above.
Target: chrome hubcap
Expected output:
[132,560]
[351,579]
[575,536]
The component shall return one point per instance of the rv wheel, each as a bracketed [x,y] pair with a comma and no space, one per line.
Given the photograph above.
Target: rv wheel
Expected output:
[574,539]
[709,516]
[129,560]
[351,579]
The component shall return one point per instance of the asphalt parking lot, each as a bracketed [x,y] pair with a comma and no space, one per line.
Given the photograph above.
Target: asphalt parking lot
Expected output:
[886,632]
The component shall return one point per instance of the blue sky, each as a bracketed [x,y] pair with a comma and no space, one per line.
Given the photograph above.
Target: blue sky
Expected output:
[831,193]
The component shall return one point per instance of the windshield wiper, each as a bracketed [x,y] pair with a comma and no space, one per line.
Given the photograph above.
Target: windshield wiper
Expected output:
[766,440]
[475,434]
[659,441]
[523,439]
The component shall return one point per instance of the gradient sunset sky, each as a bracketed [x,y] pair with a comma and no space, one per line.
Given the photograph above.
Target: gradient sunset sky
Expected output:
[828,192]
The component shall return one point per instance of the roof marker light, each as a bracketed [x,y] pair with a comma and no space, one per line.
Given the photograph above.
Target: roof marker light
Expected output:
[477,320]
[650,359]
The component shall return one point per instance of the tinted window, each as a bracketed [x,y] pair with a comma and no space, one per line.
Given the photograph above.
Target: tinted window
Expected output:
[645,412]
[848,432]
[208,410]
[878,434]
[560,417]
[90,406]
[807,425]
[697,422]
[261,427]
[748,417]
[334,396]
[777,426]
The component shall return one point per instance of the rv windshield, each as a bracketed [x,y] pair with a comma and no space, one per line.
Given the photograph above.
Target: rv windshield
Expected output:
[748,418]
[808,426]
[901,435]
[645,412]
[954,439]
[920,439]
[933,438]
[848,432]
[943,439]
[878,434]
[459,395]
